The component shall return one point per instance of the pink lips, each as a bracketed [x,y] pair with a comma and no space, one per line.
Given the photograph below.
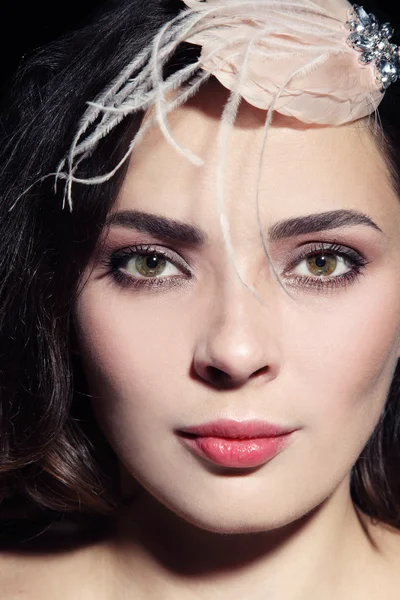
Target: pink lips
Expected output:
[237,444]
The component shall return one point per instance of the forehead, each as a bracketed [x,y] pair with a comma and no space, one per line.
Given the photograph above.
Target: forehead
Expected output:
[296,169]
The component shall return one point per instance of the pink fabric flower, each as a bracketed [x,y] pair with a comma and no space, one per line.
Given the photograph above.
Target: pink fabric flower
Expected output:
[292,55]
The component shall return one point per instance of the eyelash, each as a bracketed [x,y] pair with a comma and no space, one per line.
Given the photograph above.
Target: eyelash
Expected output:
[116,260]
[114,263]
[355,260]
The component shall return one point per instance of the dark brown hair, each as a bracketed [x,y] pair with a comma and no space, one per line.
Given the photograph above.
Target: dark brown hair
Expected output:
[53,456]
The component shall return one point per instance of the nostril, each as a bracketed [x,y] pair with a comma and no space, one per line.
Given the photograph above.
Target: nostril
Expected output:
[218,377]
[222,379]
[259,372]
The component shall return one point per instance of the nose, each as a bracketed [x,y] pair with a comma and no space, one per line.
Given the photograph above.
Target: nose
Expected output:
[238,341]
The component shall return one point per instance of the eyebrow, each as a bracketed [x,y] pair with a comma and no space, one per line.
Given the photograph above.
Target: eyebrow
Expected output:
[160,227]
[319,222]
[177,231]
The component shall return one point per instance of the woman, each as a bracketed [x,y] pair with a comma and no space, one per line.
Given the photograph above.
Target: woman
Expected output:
[201,347]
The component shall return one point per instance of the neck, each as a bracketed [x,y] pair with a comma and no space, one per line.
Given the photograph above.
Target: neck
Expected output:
[162,556]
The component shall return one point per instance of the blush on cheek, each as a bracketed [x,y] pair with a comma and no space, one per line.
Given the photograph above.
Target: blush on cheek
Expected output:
[370,348]
[345,354]
[126,345]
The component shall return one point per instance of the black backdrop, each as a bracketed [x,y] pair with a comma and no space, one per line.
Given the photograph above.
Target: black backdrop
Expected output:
[28,24]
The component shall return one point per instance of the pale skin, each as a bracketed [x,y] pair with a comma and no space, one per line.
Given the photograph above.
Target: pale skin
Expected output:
[316,357]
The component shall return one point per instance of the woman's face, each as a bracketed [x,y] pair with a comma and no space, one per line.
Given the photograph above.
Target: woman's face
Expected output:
[171,337]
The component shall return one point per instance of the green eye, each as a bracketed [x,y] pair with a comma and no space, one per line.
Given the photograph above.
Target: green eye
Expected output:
[150,265]
[144,266]
[325,266]
[322,265]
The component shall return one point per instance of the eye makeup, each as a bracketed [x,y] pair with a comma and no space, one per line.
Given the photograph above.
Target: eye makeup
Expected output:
[353,262]
[145,266]
[153,258]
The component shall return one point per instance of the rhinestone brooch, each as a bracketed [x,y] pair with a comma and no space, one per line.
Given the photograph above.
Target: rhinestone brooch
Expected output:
[373,41]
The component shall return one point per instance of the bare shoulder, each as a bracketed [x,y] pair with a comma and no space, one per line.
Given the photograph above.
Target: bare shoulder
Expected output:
[43,571]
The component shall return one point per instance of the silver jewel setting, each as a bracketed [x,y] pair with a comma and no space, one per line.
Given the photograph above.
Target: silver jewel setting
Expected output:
[373,41]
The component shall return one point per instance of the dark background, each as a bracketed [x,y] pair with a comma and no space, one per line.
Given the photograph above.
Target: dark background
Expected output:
[28,24]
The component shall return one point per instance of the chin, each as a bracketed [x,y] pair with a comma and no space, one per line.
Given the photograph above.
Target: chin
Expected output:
[223,519]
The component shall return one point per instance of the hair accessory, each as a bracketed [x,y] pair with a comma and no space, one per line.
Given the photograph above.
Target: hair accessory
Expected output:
[373,42]
[293,57]
[290,56]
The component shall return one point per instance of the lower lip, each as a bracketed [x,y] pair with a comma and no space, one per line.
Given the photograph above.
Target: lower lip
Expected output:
[237,453]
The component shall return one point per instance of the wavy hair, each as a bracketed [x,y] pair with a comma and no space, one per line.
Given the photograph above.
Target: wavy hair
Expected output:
[53,457]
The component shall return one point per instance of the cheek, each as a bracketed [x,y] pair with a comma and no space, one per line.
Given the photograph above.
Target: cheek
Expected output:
[135,347]
[345,351]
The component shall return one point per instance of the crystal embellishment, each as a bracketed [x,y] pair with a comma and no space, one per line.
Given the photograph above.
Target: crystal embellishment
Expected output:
[373,41]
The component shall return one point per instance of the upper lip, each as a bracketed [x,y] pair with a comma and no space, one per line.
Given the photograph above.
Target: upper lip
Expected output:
[227,428]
